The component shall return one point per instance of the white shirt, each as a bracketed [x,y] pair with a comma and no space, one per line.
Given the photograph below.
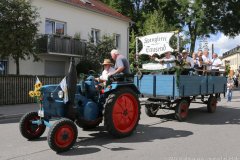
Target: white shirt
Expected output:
[189,60]
[215,63]
[168,62]
[206,60]
[105,74]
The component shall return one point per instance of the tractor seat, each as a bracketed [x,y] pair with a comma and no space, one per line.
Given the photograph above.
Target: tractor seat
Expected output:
[122,77]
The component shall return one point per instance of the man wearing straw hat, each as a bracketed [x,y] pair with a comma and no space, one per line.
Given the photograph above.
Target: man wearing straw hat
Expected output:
[107,70]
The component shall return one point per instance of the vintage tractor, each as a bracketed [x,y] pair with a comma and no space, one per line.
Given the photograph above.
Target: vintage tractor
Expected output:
[88,104]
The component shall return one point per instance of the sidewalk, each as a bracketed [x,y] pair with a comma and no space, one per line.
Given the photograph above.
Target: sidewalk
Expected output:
[16,111]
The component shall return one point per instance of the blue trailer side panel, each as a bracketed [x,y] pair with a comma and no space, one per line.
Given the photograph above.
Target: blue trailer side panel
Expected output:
[192,85]
[216,84]
[146,84]
[166,85]
[182,86]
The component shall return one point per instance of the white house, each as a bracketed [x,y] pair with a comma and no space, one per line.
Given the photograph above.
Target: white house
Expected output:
[68,17]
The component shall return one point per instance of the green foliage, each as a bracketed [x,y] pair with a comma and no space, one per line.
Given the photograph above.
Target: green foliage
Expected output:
[227,69]
[18,29]
[96,55]
[200,17]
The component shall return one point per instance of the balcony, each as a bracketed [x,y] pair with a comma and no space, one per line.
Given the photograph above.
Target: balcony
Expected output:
[60,45]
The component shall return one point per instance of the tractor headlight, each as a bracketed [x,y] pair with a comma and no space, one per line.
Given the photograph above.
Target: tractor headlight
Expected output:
[60,94]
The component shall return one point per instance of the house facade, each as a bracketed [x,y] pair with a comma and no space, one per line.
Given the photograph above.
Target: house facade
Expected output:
[232,57]
[72,18]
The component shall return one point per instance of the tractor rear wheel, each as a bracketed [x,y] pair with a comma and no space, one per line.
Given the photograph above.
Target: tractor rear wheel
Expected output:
[29,130]
[212,104]
[122,112]
[181,110]
[62,135]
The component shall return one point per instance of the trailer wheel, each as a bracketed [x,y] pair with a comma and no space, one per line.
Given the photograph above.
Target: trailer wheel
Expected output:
[151,110]
[62,135]
[212,104]
[181,110]
[29,130]
[122,112]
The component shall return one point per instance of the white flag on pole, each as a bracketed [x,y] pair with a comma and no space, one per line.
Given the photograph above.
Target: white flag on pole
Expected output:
[37,80]
[63,85]
[156,43]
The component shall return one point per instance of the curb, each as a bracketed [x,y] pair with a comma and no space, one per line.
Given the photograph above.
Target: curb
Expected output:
[11,116]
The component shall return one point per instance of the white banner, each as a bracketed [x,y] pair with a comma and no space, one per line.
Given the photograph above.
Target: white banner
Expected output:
[156,43]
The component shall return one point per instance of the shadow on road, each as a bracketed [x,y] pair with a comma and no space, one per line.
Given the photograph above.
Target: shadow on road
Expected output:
[222,116]
[144,133]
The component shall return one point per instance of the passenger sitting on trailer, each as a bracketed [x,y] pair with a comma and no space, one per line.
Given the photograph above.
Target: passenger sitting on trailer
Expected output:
[121,63]
[188,62]
[168,61]
[216,63]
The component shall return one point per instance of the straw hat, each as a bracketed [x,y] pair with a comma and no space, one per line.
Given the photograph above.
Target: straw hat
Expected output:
[107,61]
[184,51]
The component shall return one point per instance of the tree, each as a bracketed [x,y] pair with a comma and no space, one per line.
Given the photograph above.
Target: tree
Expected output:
[96,54]
[223,16]
[18,29]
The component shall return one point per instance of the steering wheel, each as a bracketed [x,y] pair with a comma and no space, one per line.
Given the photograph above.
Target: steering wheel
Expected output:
[91,72]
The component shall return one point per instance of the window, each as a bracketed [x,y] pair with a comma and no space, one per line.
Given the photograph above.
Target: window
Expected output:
[55,27]
[117,40]
[3,67]
[95,35]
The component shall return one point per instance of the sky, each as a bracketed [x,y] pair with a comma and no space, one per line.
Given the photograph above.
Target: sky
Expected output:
[221,43]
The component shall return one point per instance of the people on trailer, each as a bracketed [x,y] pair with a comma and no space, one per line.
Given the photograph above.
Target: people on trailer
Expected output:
[215,64]
[206,60]
[194,57]
[199,61]
[121,63]
[168,61]
[108,69]
[189,63]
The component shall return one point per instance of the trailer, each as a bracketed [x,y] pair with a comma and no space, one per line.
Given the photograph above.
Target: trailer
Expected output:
[178,92]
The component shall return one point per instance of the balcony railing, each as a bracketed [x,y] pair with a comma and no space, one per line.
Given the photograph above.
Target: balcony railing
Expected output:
[61,45]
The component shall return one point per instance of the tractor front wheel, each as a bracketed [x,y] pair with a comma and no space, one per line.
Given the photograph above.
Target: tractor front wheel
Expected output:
[29,130]
[122,112]
[62,135]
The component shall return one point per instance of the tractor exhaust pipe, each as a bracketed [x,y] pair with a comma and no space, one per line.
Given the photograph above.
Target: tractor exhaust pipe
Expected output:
[72,87]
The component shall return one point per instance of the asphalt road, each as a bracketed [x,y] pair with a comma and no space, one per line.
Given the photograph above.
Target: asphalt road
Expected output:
[203,136]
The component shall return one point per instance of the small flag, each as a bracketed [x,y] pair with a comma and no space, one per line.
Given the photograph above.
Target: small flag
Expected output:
[37,80]
[63,85]
[38,84]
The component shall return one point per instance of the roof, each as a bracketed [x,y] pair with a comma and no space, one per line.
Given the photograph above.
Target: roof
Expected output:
[231,52]
[97,6]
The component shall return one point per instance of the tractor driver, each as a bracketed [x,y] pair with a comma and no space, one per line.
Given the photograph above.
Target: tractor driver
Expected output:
[121,63]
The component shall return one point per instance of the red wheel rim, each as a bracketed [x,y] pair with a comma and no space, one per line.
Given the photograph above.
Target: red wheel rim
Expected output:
[125,113]
[213,104]
[64,136]
[183,110]
[33,129]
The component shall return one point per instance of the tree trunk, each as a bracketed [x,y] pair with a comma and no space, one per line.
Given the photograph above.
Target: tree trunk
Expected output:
[193,41]
[17,66]
[193,36]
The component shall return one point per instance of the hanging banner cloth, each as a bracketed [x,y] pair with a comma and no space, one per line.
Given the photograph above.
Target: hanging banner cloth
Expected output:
[156,43]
